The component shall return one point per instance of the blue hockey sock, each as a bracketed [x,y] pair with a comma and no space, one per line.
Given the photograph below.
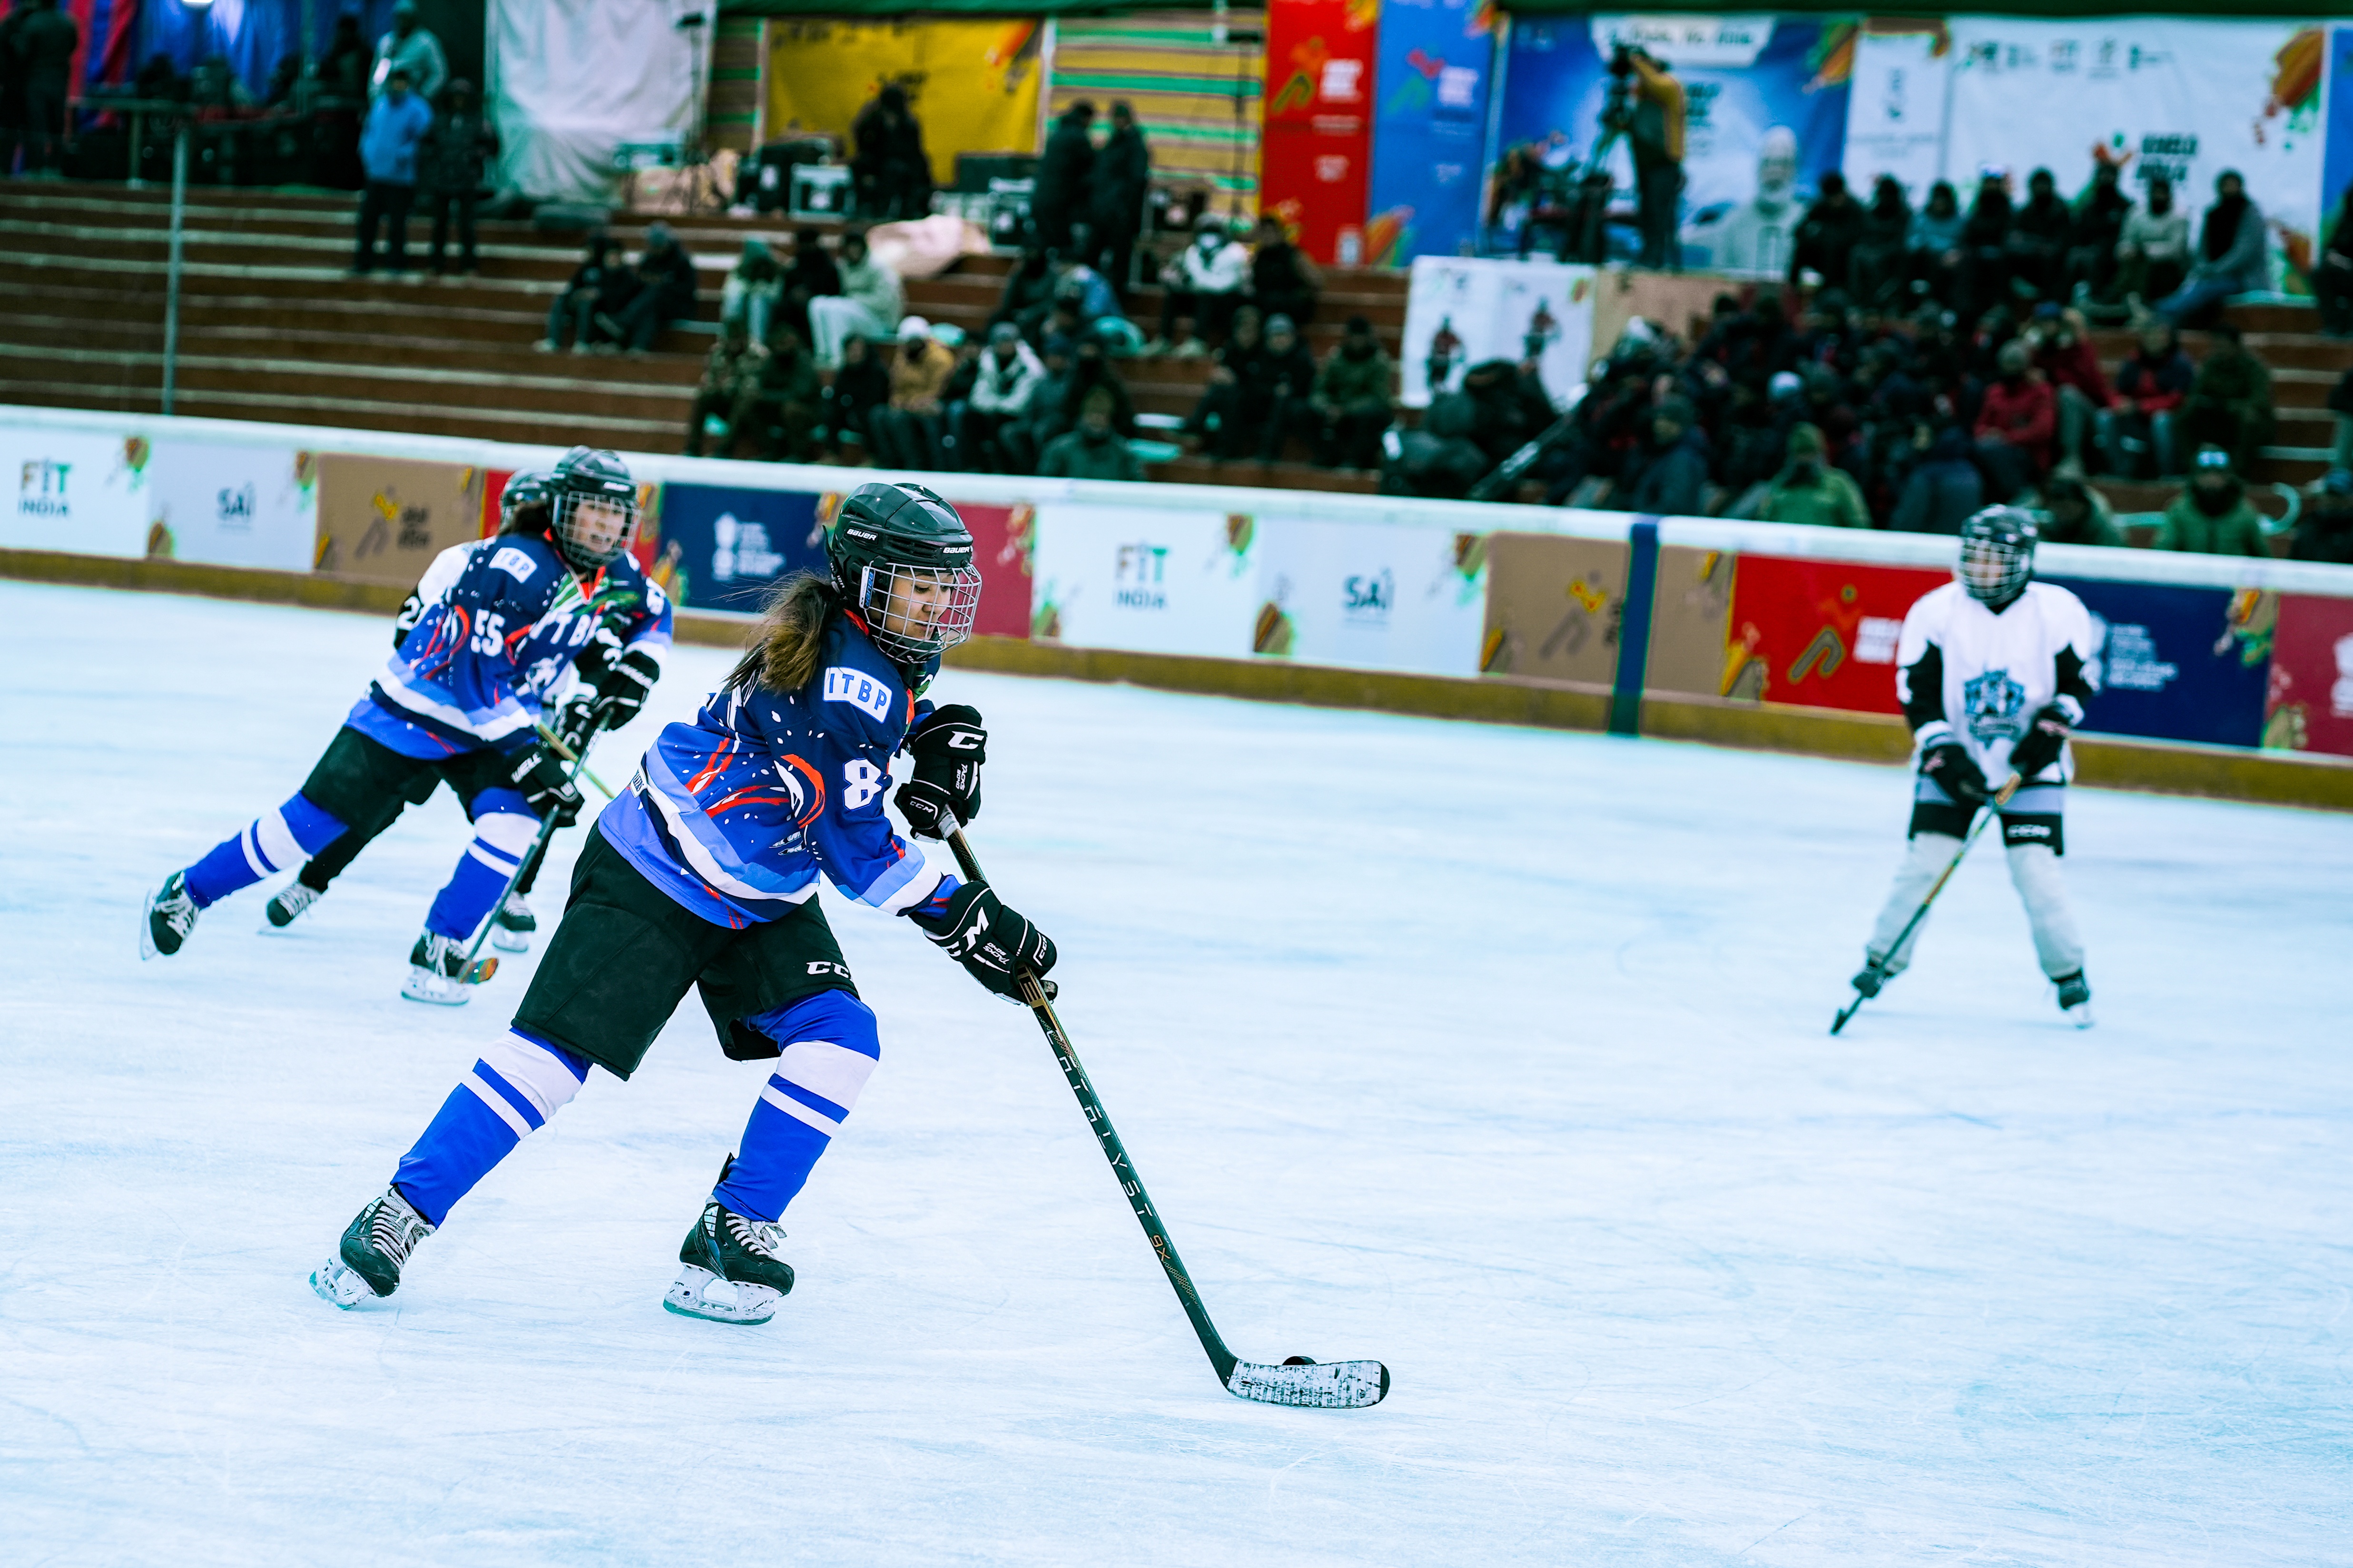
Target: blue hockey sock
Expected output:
[517,1085]
[504,833]
[830,1047]
[270,843]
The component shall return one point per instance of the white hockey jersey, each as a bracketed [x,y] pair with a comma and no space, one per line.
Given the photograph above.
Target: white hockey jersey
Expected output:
[1965,673]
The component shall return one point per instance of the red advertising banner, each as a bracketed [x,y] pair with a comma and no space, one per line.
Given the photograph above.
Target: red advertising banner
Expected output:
[1001,543]
[2310,704]
[1316,157]
[1820,633]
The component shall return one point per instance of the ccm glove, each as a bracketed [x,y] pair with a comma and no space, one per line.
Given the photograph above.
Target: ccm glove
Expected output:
[1949,764]
[2040,747]
[994,945]
[948,747]
[627,681]
[544,781]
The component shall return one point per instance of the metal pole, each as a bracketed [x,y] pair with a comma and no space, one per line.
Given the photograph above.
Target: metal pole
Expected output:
[172,275]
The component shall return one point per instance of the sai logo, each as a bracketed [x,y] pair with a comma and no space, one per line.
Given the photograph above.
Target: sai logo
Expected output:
[41,489]
[1139,576]
[233,509]
[1367,597]
[1993,703]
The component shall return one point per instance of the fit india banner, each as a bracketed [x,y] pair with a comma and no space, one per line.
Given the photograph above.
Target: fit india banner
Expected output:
[2183,98]
[233,505]
[1437,61]
[1147,579]
[722,547]
[1461,312]
[82,493]
[1369,595]
[383,519]
[1315,154]
[1766,104]
[972,85]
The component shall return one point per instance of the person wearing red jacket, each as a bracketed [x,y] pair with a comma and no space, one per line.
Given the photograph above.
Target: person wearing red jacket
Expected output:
[2138,429]
[2016,422]
[2071,367]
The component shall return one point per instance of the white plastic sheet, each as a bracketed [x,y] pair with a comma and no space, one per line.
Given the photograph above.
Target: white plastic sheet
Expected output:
[572,80]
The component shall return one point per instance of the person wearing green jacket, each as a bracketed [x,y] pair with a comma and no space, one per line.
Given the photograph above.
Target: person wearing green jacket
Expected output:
[1094,450]
[2213,516]
[1811,489]
[2075,513]
[1352,400]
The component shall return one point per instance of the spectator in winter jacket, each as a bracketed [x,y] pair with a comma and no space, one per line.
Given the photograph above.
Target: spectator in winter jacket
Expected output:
[42,48]
[1277,394]
[752,290]
[457,151]
[2332,276]
[2099,224]
[860,388]
[2153,249]
[729,393]
[1213,418]
[812,276]
[869,306]
[1673,483]
[1944,488]
[1283,282]
[1117,184]
[395,129]
[2229,403]
[408,48]
[1060,195]
[2136,434]
[665,291]
[600,285]
[888,165]
[1021,441]
[1352,401]
[2069,363]
[790,399]
[1934,244]
[1827,234]
[1985,247]
[907,434]
[2075,513]
[2233,256]
[1877,269]
[1199,289]
[2341,404]
[1028,286]
[2016,422]
[1809,489]
[1092,449]
[2039,234]
[1009,374]
[2212,515]
[2324,530]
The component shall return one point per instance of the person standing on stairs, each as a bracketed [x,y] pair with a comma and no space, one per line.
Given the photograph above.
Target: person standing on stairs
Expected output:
[389,139]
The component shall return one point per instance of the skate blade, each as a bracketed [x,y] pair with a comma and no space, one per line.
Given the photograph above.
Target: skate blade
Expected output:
[507,940]
[2081,1016]
[753,1304]
[341,1287]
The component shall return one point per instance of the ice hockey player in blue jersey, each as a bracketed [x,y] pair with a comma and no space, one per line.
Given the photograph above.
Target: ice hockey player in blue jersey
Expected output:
[457,702]
[1994,670]
[704,873]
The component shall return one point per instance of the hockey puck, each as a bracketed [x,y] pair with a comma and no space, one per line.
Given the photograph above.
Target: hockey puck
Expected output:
[1299,1361]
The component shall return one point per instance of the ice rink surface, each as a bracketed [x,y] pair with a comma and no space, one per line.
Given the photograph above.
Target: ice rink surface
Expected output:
[1497,1054]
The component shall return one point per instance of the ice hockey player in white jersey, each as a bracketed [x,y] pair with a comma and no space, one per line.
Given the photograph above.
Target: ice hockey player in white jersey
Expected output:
[1994,670]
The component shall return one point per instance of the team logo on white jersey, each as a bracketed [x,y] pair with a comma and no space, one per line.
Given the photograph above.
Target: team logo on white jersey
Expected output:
[1993,704]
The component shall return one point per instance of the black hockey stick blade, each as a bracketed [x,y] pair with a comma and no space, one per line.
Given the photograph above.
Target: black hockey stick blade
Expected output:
[1849,1011]
[1322,1385]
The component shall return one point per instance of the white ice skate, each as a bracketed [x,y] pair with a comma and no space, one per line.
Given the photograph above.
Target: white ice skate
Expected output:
[438,971]
[511,927]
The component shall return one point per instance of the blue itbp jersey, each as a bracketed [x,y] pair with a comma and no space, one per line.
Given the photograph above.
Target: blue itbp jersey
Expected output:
[481,658]
[735,815]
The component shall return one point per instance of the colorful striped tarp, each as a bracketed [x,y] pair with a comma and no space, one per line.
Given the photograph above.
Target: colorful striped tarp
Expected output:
[1197,99]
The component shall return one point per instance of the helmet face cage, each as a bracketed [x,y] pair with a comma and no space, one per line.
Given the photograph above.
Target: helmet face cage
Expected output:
[1996,555]
[573,534]
[922,635]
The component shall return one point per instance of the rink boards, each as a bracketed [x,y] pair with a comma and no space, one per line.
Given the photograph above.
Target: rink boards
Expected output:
[2219,674]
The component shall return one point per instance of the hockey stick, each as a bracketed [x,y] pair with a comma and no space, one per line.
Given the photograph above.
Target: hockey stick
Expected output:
[1346,1385]
[579,761]
[555,744]
[1992,812]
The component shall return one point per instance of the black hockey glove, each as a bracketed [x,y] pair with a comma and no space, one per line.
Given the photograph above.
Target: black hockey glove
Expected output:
[628,680]
[1948,763]
[994,945]
[948,747]
[544,781]
[2040,747]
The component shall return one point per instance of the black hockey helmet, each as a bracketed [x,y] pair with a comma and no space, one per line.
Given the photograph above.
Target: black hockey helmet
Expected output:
[522,505]
[1996,555]
[901,558]
[600,482]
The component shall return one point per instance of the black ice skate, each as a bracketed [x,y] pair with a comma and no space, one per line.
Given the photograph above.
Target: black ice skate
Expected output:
[171,915]
[289,904]
[2075,999]
[511,927]
[377,1244]
[727,1247]
[438,971]
[1870,979]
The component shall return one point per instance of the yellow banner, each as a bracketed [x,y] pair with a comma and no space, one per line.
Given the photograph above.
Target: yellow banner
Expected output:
[973,85]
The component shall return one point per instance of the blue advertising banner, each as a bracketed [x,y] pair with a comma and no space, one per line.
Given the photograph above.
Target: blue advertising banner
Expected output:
[2177,664]
[722,548]
[1435,68]
[2337,148]
[1761,94]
